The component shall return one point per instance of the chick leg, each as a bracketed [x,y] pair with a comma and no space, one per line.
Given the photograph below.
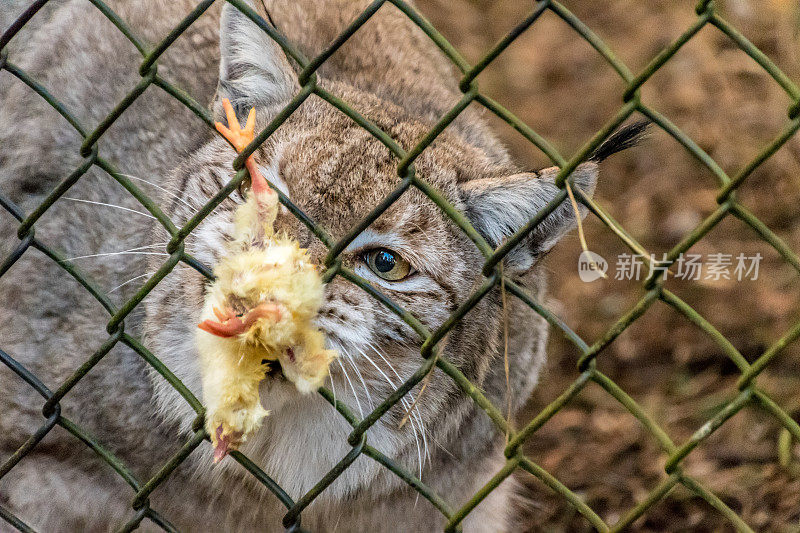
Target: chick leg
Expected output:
[241,138]
[230,379]
[231,376]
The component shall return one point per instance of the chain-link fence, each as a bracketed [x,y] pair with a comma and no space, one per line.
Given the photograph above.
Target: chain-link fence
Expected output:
[748,392]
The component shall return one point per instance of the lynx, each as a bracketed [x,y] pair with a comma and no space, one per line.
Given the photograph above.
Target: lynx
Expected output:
[336,172]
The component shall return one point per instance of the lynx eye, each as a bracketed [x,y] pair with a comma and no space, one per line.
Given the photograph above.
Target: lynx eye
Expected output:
[387,264]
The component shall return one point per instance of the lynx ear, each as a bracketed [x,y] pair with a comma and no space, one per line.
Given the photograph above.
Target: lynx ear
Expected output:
[253,70]
[498,207]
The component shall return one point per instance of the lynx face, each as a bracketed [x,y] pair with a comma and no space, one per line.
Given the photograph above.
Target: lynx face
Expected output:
[336,172]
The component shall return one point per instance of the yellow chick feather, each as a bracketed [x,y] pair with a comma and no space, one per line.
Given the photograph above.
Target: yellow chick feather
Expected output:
[259,309]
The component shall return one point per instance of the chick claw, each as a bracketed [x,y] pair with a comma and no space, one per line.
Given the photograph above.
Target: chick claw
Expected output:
[225,444]
[230,324]
[241,138]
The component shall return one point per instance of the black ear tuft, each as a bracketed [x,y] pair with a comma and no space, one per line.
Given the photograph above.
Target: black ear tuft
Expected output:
[500,206]
[622,139]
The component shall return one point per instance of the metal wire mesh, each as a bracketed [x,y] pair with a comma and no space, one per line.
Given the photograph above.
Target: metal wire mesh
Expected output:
[748,392]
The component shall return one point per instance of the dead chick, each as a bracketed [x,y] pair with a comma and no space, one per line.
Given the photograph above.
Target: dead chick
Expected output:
[258,312]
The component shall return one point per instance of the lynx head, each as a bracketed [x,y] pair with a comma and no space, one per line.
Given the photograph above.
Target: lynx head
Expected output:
[336,172]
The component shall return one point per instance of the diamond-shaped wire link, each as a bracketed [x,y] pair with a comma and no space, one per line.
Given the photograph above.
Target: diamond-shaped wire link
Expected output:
[748,392]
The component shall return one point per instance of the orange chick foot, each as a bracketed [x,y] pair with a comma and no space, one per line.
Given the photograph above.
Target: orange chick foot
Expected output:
[230,325]
[240,138]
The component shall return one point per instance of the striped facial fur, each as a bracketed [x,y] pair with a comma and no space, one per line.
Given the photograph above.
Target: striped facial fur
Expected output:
[336,172]
[333,170]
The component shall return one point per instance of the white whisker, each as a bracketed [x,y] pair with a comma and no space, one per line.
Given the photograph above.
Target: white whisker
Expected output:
[410,395]
[360,377]
[114,253]
[358,403]
[131,251]
[109,205]
[391,366]
[153,245]
[172,194]
[404,400]
[146,274]
[333,388]
[405,404]
[445,450]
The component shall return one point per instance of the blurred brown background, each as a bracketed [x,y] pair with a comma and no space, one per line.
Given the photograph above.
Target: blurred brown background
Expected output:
[564,90]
